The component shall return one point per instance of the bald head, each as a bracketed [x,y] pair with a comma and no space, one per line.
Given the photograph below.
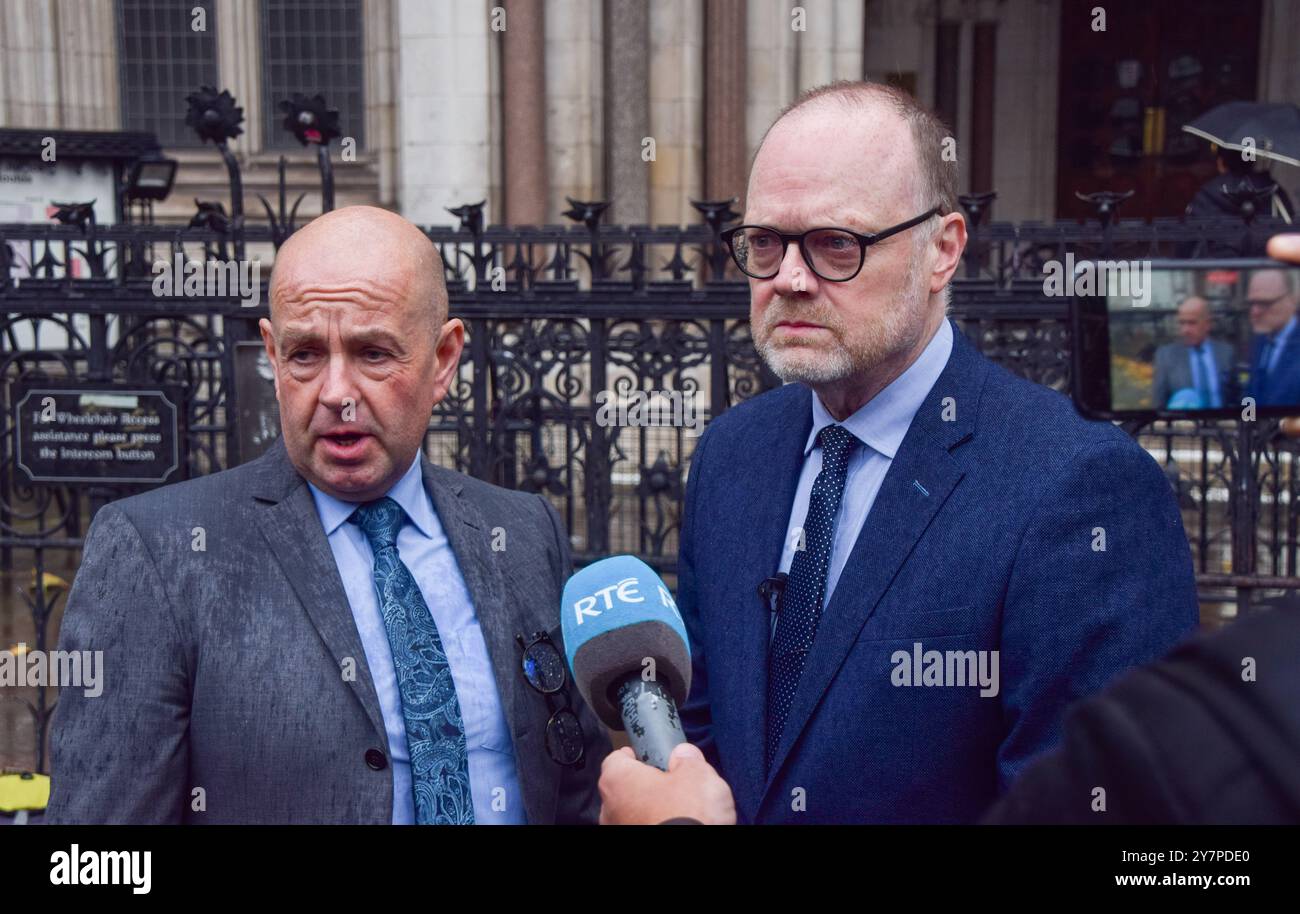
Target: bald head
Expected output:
[872,113]
[362,245]
[1194,320]
[361,346]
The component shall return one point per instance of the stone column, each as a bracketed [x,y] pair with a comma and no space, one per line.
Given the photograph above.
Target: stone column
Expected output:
[444,102]
[965,94]
[29,65]
[676,110]
[983,105]
[381,94]
[239,68]
[900,39]
[814,45]
[726,153]
[574,103]
[1024,162]
[523,105]
[850,30]
[773,76]
[627,110]
[1279,72]
[1279,55]
[87,49]
[58,65]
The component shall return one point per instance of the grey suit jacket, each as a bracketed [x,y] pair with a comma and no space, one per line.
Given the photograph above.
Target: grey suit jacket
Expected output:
[1173,370]
[225,696]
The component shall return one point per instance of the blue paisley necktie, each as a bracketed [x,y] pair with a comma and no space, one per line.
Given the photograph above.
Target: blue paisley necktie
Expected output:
[805,589]
[435,734]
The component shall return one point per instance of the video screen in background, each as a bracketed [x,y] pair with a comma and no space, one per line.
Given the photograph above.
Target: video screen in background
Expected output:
[1205,338]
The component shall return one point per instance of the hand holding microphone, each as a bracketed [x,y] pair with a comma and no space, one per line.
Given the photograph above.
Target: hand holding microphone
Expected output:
[635,794]
[627,648]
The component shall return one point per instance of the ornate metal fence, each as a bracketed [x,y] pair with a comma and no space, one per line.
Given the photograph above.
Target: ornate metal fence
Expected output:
[555,316]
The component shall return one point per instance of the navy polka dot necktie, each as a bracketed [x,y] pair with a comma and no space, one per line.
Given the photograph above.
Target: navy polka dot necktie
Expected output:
[805,589]
[435,733]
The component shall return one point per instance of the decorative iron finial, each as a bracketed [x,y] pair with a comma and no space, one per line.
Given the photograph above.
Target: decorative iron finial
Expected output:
[716,213]
[213,115]
[976,206]
[470,216]
[78,214]
[311,120]
[210,215]
[588,212]
[1107,203]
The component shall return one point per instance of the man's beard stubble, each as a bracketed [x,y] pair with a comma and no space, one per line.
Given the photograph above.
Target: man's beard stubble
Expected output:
[895,330]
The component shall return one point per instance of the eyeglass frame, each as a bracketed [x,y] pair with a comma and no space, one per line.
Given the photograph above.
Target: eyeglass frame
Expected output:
[864,240]
[561,690]
[1265,304]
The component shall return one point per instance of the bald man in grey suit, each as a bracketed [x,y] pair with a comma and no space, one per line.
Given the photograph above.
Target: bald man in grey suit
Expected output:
[1195,362]
[334,632]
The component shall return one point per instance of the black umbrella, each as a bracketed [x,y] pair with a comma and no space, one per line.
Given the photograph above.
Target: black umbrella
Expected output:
[1274,128]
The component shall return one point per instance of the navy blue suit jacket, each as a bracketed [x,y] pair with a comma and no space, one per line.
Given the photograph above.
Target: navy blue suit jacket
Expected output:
[1282,387]
[984,536]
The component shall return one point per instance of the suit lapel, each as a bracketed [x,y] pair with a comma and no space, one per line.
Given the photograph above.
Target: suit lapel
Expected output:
[755,554]
[920,478]
[288,519]
[470,541]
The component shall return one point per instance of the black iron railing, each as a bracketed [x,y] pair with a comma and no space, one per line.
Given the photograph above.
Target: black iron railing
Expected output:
[556,316]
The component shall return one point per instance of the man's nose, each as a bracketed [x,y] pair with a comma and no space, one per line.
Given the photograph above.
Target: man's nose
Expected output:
[339,388]
[795,277]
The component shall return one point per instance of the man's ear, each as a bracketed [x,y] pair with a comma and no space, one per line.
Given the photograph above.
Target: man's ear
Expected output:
[951,242]
[268,340]
[451,342]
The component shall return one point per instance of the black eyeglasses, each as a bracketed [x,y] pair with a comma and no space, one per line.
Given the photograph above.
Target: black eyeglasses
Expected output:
[546,671]
[1265,302]
[833,254]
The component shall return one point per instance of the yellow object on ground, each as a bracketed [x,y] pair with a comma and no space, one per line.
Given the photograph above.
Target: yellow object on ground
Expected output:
[24,791]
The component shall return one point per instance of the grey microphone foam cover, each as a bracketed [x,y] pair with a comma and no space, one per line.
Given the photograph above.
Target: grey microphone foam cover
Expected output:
[602,663]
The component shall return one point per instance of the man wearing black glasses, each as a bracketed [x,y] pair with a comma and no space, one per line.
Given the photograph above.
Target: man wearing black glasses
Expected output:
[1275,349]
[900,568]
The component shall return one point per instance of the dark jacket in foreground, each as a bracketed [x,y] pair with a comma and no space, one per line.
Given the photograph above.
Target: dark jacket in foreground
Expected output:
[1186,740]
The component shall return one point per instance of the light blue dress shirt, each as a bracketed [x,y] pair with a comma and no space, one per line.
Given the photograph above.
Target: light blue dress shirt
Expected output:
[424,548]
[880,425]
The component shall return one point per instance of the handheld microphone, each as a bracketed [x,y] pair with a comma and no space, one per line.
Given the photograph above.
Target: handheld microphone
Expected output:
[627,648]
